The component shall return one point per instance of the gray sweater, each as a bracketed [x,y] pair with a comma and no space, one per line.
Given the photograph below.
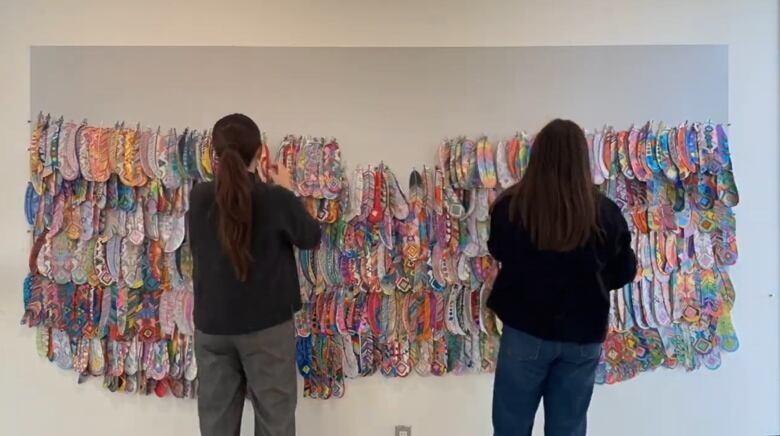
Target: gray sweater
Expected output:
[223,304]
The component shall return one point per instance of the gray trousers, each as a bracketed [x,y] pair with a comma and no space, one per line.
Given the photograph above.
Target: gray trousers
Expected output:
[259,365]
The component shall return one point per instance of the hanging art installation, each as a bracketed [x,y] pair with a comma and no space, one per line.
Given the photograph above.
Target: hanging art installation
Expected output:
[399,282]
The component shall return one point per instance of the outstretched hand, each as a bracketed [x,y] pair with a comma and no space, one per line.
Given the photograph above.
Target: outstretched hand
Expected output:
[280,175]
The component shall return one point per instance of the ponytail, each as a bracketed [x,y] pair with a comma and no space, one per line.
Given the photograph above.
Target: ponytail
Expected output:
[236,140]
[234,202]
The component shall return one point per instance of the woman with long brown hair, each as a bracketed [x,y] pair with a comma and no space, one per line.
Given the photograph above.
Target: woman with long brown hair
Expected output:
[242,232]
[562,246]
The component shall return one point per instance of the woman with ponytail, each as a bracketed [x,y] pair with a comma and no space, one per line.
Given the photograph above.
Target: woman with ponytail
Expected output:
[242,231]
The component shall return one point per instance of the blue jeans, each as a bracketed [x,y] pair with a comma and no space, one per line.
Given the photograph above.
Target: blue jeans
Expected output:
[530,369]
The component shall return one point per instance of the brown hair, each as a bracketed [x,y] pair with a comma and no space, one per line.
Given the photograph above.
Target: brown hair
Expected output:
[236,139]
[556,201]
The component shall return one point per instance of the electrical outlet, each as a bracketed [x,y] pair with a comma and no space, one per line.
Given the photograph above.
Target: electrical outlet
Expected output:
[403,430]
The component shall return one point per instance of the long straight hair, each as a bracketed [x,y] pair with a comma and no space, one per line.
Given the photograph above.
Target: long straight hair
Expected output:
[556,201]
[236,139]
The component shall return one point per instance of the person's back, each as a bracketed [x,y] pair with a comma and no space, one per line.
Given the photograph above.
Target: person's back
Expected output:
[242,232]
[226,305]
[559,295]
[562,246]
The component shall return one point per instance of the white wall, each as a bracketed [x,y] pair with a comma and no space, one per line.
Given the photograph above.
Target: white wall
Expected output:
[389,104]
[742,398]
